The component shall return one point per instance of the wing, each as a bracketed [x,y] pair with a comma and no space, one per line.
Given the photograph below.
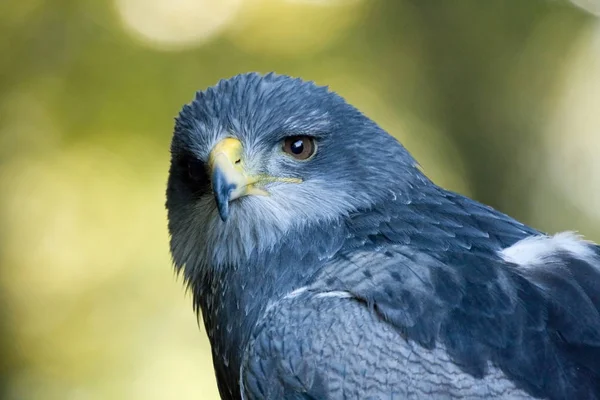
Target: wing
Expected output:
[434,272]
[332,346]
[539,325]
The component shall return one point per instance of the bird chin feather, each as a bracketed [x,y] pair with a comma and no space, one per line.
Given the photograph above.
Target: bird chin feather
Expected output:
[256,223]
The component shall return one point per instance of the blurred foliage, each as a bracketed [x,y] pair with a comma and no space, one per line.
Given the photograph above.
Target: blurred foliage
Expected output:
[496,99]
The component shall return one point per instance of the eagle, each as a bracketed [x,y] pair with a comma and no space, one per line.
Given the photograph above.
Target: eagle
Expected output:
[326,265]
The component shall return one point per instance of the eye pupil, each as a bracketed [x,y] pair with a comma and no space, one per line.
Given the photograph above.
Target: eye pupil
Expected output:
[299,147]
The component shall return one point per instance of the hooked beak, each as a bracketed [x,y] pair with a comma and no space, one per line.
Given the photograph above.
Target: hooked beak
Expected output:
[229,179]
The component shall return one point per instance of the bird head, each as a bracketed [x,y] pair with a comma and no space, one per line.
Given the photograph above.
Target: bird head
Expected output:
[256,158]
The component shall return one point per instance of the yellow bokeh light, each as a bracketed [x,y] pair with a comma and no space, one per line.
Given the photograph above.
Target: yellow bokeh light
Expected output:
[573,136]
[176,24]
[293,28]
[591,6]
[323,2]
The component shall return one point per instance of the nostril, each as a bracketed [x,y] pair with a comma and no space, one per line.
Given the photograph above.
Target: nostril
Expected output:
[238,161]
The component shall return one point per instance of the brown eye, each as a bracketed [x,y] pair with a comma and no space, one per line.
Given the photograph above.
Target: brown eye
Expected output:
[299,147]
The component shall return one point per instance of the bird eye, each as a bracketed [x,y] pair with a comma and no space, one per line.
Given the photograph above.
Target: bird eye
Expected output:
[197,170]
[299,147]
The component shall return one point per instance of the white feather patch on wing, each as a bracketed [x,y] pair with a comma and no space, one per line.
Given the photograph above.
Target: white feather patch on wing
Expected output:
[535,250]
[296,293]
[340,294]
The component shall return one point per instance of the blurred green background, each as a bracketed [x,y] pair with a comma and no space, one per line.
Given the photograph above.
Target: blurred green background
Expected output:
[499,100]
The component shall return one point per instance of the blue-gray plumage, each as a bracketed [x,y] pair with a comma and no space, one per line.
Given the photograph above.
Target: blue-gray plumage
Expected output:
[327,266]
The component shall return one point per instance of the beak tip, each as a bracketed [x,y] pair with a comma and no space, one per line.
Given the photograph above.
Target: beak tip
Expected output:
[223,211]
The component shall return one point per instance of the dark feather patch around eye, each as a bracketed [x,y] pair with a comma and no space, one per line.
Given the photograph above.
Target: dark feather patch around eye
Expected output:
[196,170]
[194,173]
